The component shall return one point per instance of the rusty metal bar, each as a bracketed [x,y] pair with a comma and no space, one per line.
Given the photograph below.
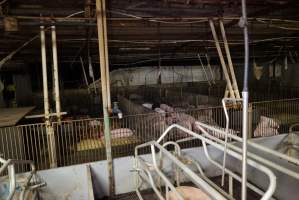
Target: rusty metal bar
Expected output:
[49,128]
[223,64]
[229,59]
[100,10]
[44,71]
[106,55]
[56,74]
[84,75]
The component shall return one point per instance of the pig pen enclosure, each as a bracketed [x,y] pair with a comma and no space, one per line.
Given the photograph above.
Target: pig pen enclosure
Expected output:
[81,141]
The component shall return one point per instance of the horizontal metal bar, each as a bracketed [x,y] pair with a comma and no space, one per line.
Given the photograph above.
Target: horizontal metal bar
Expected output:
[43,115]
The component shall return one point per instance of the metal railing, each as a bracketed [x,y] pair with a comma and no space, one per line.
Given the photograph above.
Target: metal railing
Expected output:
[31,183]
[81,141]
[146,169]
[26,142]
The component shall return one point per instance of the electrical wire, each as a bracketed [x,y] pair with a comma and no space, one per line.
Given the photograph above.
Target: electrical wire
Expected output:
[277,26]
[154,42]
[9,56]
[155,20]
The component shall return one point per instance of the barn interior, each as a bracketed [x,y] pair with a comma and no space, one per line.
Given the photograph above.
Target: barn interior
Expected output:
[95,92]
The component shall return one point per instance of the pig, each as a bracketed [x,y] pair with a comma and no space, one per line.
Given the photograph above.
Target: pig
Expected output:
[160,111]
[273,123]
[182,119]
[189,193]
[119,133]
[148,105]
[266,127]
[167,108]
[264,131]
[95,127]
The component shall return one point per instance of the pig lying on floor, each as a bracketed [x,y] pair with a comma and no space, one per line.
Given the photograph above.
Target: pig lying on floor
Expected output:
[119,133]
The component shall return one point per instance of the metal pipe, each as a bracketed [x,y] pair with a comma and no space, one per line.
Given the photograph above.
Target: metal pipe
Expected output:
[210,68]
[254,164]
[244,144]
[84,75]
[101,40]
[56,74]
[224,100]
[204,70]
[160,173]
[42,115]
[229,59]
[106,55]
[12,184]
[272,178]
[245,96]
[92,75]
[49,128]
[10,165]
[197,180]
[251,155]
[44,71]
[223,64]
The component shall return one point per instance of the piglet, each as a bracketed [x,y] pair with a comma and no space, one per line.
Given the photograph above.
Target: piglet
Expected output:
[265,132]
[266,127]
[120,133]
[270,122]
[189,193]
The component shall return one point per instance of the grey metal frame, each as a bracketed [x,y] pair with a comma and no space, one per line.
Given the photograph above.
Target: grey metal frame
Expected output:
[10,165]
[197,180]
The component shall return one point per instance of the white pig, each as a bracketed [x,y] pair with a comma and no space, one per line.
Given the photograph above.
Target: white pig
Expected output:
[189,193]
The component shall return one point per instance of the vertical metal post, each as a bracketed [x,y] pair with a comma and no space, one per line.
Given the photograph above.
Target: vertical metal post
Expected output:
[230,185]
[103,61]
[44,71]
[49,128]
[91,72]
[244,145]
[55,73]
[250,120]
[106,56]
[84,74]
[245,95]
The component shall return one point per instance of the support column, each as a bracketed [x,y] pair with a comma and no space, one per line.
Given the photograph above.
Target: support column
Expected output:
[49,128]
[55,74]
[100,10]
[106,56]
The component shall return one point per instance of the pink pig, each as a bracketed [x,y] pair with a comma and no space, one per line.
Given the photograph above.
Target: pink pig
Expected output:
[189,193]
